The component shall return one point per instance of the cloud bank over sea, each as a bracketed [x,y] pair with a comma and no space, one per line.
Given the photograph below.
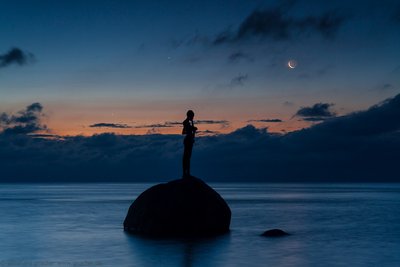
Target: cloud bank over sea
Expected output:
[361,146]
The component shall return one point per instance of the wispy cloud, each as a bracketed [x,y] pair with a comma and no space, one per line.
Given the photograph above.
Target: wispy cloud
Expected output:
[154,125]
[239,56]
[207,133]
[46,136]
[15,56]
[288,104]
[266,120]
[224,122]
[110,125]
[238,80]
[169,124]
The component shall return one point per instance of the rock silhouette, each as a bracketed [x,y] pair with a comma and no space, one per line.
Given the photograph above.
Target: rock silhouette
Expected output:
[180,208]
[274,233]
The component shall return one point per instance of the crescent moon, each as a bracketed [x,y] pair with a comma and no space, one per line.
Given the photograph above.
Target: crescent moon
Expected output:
[292,64]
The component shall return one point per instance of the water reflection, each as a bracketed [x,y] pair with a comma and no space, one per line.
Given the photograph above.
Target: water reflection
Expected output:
[178,252]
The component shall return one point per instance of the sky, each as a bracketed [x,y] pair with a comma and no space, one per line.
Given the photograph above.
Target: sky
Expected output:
[91,90]
[142,64]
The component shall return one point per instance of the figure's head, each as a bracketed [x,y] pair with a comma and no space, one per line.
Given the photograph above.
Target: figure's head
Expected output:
[190,114]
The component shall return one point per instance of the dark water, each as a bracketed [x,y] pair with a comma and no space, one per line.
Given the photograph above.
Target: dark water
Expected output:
[81,225]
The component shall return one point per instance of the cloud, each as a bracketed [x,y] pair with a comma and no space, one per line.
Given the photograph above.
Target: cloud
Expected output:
[266,120]
[16,56]
[24,122]
[396,14]
[239,56]
[317,112]
[238,80]
[155,125]
[361,146]
[110,125]
[207,133]
[193,39]
[314,119]
[46,136]
[378,119]
[276,24]
[223,122]
[169,124]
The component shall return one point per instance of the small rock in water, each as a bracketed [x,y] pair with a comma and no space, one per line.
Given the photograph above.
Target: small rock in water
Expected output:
[274,233]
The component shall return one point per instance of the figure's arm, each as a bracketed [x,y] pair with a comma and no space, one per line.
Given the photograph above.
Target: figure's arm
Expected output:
[193,128]
[186,126]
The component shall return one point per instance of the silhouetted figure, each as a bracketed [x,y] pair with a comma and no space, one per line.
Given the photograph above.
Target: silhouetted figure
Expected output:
[190,131]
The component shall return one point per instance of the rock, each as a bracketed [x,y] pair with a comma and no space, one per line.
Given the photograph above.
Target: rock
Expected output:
[275,233]
[181,208]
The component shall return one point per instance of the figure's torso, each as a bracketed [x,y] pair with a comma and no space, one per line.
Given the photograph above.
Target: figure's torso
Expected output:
[188,128]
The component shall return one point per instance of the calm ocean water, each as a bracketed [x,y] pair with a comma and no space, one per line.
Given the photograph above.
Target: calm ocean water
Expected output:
[81,225]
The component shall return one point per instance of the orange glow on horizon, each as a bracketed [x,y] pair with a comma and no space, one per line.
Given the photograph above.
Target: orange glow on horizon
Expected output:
[76,119]
[67,129]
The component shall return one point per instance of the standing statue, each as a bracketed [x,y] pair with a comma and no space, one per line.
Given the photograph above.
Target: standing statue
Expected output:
[190,130]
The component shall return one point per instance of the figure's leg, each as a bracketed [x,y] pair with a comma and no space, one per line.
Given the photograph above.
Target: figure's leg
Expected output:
[185,160]
[189,155]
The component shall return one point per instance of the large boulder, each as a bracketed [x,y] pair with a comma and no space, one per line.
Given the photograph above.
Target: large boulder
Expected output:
[181,208]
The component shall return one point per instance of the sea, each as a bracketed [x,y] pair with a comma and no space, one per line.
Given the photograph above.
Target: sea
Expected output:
[81,225]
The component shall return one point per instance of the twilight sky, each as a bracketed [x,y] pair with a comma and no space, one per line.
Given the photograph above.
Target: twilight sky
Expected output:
[137,66]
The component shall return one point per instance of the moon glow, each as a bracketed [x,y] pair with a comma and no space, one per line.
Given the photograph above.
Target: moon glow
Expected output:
[292,64]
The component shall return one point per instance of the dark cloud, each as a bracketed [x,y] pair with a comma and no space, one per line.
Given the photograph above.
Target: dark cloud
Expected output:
[276,24]
[315,119]
[24,122]
[223,37]
[239,56]
[238,80]
[173,123]
[46,136]
[396,14]
[199,122]
[110,125]
[15,56]
[379,119]
[317,112]
[169,124]
[223,122]
[266,120]
[177,123]
[207,133]
[358,147]
[155,125]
